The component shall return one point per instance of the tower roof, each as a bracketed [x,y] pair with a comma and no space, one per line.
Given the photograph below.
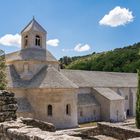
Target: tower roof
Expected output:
[33,25]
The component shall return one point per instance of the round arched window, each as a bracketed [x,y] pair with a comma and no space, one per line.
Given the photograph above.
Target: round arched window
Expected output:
[68,109]
[49,110]
[37,40]
[26,41]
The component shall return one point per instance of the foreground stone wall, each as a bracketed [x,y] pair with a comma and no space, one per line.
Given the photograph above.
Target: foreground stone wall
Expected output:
[8,106]
[114,130]
[17,130]
[118,131]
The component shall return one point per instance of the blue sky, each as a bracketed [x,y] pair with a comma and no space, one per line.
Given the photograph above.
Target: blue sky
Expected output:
[75,27]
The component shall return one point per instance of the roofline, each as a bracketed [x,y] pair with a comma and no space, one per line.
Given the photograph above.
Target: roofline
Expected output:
[38,88]
[106,87]
[109,98]
[98,71]
[26,26]
[35,60]
[30,23]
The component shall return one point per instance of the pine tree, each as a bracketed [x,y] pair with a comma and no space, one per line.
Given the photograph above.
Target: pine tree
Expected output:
[2,71]
[138,103]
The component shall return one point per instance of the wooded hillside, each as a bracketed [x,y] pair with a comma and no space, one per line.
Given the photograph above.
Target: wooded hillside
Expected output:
[125,59]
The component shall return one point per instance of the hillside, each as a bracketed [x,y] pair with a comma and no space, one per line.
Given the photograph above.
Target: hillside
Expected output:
[125,59]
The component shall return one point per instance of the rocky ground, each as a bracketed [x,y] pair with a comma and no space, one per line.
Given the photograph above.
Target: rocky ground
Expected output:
[103,137]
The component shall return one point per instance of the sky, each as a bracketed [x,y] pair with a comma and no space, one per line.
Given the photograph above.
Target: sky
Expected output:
[74,27]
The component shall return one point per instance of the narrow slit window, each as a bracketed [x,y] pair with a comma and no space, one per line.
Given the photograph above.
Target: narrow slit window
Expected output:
[49,110]
[68,109]
[26,41]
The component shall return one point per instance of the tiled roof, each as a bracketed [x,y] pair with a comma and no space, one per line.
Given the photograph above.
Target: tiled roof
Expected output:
[47,77]
[101,79]
[31,54]
[108,93]
[33,25]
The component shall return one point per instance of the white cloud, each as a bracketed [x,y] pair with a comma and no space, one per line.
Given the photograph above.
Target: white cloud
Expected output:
[81,48]
[67,50]
[15,40]
[11,40]
[53,42]
[116,17]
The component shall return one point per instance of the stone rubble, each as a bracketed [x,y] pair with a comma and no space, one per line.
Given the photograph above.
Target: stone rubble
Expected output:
[17,130]
[8,106]
[45,126]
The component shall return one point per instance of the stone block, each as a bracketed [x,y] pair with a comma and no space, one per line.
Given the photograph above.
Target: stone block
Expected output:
[9,107]
[39,124]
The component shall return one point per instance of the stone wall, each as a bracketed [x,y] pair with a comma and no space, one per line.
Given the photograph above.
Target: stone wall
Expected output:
[39,124]
[17,130]
[118,131]
[39,100]
[8,106]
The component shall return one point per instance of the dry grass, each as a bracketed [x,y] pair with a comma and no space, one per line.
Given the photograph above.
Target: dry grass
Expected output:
[88,124]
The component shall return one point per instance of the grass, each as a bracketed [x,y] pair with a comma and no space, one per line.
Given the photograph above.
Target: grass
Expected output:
[88,124]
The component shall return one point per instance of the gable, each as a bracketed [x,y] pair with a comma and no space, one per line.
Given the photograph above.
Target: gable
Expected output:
[35,26]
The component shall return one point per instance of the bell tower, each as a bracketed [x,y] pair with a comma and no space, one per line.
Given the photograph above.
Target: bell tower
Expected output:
[33,36]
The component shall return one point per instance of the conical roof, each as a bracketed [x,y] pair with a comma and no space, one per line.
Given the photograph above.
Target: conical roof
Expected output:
[47,77]
[33,25]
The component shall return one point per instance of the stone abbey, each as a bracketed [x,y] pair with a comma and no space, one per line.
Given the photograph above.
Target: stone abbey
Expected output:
[65,97]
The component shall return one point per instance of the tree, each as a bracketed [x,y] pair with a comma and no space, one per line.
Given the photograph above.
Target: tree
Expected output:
[138,103]
[3,82]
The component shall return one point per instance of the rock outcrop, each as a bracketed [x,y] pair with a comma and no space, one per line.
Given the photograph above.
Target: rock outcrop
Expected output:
[8,106]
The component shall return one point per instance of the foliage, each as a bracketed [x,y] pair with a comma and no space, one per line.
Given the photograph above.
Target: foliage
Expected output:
[125,59]
[2,71]
[138,103]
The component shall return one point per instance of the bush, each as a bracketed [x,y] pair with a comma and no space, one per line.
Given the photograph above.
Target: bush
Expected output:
[2,71]
[138,103]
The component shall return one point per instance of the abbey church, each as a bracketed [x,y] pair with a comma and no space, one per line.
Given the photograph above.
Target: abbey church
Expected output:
[65,97]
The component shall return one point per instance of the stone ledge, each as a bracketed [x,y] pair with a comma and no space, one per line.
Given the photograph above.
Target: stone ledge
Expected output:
[117,131]
[17,130]
[37,123]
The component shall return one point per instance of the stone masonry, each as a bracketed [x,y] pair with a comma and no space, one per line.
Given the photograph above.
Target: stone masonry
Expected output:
[8,106]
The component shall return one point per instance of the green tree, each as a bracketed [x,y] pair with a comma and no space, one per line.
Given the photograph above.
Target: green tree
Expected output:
[2,71]
[125,59]
[138,103]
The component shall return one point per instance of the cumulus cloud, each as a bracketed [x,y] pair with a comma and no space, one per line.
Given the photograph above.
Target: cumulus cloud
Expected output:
[11,40]
[15,40]
[53,42]
[67,50]
[81,48]
[116,17]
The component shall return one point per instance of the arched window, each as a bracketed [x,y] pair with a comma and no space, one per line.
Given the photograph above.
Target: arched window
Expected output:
[49,110]
[68,109]
[25,40]
[37,40]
